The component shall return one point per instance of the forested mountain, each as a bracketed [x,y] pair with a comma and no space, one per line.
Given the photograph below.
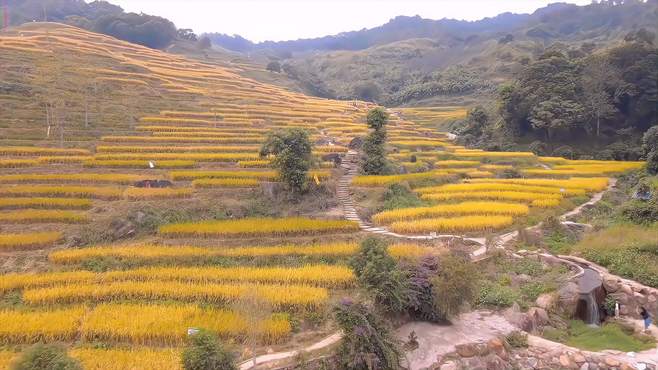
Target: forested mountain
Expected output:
[99,16]
[411,59]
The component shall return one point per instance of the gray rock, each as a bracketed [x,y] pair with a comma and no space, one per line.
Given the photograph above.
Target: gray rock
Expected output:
[546,301]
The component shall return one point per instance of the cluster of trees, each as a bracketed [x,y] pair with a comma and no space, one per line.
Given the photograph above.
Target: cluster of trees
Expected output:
[452,81]
[608,98]
[103,17]
[428,289]
[374,145]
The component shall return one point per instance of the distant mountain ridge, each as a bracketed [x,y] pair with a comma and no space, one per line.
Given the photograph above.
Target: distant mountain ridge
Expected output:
[397,29]
[411,59]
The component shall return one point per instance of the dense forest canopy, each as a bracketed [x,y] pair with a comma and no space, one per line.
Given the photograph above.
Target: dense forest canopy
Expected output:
[607,98]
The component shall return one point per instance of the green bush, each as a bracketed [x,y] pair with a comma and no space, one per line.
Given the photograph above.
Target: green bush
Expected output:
[494,294]
[532,290]
[46,357]
[379,274]
[455,286]
[368,342]
[399,196]
[528,266]
[205,352]
[641,212]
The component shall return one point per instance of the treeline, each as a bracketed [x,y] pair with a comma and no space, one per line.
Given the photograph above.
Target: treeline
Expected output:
[99,16]
[572,102]
[452,81]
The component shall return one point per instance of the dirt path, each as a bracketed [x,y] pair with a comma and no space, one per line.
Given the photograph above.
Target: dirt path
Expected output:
[272,357]
[436,340]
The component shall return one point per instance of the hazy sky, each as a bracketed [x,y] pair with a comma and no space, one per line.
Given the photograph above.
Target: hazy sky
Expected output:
[260,20]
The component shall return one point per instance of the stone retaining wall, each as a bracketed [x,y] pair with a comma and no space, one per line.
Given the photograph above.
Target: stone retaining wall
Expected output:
[496,354]
[630,294]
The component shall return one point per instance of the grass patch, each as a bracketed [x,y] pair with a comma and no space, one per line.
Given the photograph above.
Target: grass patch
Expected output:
[609,336]
[626,249]
[398,196]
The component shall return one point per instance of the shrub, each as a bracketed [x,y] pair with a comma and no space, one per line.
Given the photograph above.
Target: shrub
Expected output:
[367,342]
[641,212]
[494,294]
[205,352]
[399,196]
[379,274]
[421,298]
[46,357]
[455,286]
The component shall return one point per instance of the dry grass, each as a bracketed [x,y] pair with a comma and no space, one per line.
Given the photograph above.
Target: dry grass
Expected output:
[182,253]
[117,163]
[111,178]
[36,215]
[292,296]
[28,240]
[459,209]
[32,327]
[259,227]
[157,193]
[156,324]
[128,359]
[107,192]
[44,203]
[455,224]
[225,183]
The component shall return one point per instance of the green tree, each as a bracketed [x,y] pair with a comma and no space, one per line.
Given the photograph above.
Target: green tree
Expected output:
[205,352]
[597,77]
[368,343]
[292,150]
[650,141]
[274,66]
[374,145]
[46,357]
[379,274]
[455,286]
[556,115]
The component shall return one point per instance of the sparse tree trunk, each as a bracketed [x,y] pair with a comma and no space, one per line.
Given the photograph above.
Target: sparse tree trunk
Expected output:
[86,110]
[598,124]
[47,121]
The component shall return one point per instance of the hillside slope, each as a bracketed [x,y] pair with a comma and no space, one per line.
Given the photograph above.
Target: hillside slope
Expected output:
[85,85]
[411,59]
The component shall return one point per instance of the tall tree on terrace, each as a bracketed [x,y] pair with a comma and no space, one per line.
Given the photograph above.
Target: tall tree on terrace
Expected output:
[597,78]
[292,148]
[374,150]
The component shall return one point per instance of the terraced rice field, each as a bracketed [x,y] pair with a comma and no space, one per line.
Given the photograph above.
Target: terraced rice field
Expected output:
[473,191]
[96,256]
[68,191]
